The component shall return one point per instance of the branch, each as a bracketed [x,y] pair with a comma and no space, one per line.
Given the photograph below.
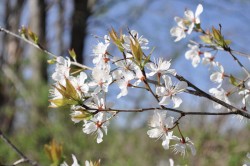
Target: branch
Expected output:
[237,61]
[183,113]
[23,157]
[199,92]
[38,46]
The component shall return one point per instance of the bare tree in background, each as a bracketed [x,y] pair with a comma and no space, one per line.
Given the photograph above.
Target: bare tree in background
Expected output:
[11,57]
[80,16]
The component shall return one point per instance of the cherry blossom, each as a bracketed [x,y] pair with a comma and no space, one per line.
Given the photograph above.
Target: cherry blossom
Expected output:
[160,125]
[160,67]
[98,124]
[123,81]
[192,17]
[247,163]
[218,76]
[134,35]
[75,162]
[182,146]
[221,94]
[79,83]
[180,30]
[246,96]
[169,91]
[98,102]
[208,59]
[101,80]
[186,24]
[62,69]
[193,54]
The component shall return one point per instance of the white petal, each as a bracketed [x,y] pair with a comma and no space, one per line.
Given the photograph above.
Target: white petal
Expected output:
[165,100]
[198,11]
[99,136]
[165,143]
[176,101]
[160,91]
[75,163]
[181,86]
[168,81]
[154,133]
[189,15]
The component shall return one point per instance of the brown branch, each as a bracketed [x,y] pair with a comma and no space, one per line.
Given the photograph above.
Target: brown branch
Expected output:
[199,92]
[228,49]
[23,157]
[183,113]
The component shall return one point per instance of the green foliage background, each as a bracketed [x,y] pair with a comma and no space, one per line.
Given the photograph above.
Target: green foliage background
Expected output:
[124,146]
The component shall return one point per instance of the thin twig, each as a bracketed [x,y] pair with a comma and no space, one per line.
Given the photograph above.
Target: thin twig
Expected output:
[168,109]
[23,157]
[38,46]
[240,53]
[237,61]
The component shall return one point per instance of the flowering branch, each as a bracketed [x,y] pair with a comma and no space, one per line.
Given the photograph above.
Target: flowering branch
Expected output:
[86,95]
[23,159]
[164,108]
[200,92]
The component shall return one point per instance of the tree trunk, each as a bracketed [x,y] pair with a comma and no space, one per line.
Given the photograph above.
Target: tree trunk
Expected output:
[10,58]
[79,26]
[38,62]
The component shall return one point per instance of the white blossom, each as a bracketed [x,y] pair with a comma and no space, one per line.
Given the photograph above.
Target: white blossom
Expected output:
[169,91]
[180,30]
[193,54]
[79,83]
[193,18]
[221,94]
[123,81]
[98,102]
[101,80]
[160,125]
[75,162]
[246,96]
[208,59]
[185,25]
[134,35]
[182,146]
[160,67]
[98,124]
[247,163]
[62,69]
[218,76]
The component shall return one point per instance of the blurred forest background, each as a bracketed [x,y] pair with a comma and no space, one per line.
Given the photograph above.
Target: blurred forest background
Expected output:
[64,24]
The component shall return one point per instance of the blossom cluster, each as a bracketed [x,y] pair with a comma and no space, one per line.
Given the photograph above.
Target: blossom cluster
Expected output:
[85,92]
[206,52]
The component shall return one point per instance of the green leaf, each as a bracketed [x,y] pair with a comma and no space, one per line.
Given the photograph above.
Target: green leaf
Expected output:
[23,32]
[228,42]
[136,50]
[206,39]
[148,57]
[233,81]
[33,36]
[216,34]
[117,40]
[63,102]
[84,116]
[71,91]
[72,54]
[62,91]
[51,61]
